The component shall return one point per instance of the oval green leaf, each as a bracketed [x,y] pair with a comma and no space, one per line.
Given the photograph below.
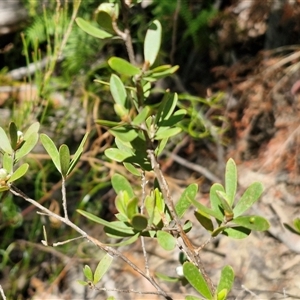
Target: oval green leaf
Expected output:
[7,163]
[196,279]
[51,150]
[88,273]
[64,158]
[123,67]
[249,197]
[230,180]
[139,222]
[27,146]
[185,199]
[77,154]
[116,154]
[117,90]
[120,184]
[152,42]
[92,30]
[252,222]
[21,171]
[5,144]
[33,128]
[226,280]
[102,267]
[166,240]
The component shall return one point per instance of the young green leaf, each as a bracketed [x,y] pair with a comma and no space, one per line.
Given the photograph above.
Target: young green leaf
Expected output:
[77,154]
[117,90]
[215,201]
[184,202]
[132,207]
[141,117]
[230,180]
[13,134]
[64,158]
[7,163]
[21,171]
[117,227]
[92,30]
[152,42]
[51,150]
[166,132]
[102,267]
[117,154]
[252,222]
[28,145]
[88,273]
[132,169]
[5,144]
[249,197]
[120,183]
[123,67]
[166,240]
[124,242]
[238,232]
[121,203]
[33,128]
[82,282]
[195,278]
[226,279]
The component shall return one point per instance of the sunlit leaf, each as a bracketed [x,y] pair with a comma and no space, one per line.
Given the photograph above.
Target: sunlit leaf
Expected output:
[82,282]
[237,232]
[125,242]
[117,90]
[166,277]
[27,146]
[215,201]
[184,201]
[226,279]
[250,196]
[51,150]
[7,162]
[120,183]
[230,180]
[116,154]
[64,157]
[123,67]
[77,154]
[152,42]
[142,116]
[21,171]
[132,169]
[118,227]
[5,144]
[166,240]
[92,30]
[33,128]
[102,267]
[88,273]
[196,279]
[252,222]
[165,132]
[132,207]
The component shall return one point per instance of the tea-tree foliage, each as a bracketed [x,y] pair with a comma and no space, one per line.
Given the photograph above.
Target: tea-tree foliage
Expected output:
[141,134]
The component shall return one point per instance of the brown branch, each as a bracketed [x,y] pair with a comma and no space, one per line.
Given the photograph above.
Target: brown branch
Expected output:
[190,250]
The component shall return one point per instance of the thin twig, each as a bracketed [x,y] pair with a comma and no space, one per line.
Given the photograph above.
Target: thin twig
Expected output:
[144,183]
[174,33]
[2,293]
[206,173]
[64,197]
